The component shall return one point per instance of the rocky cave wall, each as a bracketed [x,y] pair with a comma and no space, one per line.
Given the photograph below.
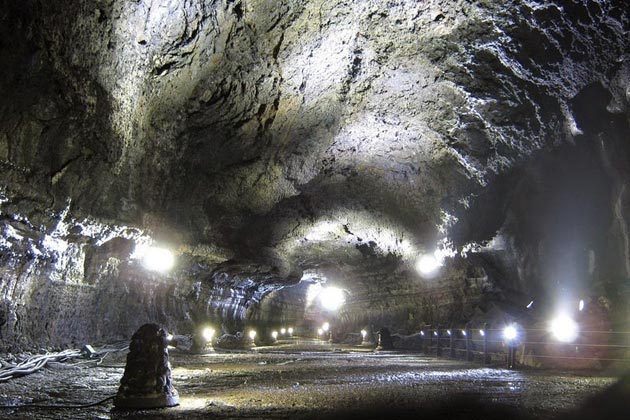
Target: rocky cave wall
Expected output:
[261,139]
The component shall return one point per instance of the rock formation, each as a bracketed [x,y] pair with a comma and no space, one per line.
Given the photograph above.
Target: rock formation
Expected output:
[279,143]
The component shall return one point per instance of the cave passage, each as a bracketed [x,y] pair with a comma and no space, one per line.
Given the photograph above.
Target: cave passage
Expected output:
[344,208]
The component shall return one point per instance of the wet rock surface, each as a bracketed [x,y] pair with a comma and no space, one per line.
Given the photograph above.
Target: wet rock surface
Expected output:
[313,379]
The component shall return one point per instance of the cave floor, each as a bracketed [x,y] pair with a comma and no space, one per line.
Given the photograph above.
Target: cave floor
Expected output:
[311,380]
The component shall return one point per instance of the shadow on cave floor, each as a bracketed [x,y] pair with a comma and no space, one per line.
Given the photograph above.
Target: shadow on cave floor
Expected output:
[287,382]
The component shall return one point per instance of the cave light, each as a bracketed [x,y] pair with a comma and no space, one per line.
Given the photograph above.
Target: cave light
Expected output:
[207,333]
[581,305]
[252,334]
[155,258]
[331,298]
[283,331]
[530,304]
[464,333]
[428,264]
[363,334]
[482,333]
[435,333]
[564,328]
[325,326]
[448,332]
[510,333]
[422,333]
[320,331]
[290,331]
[274,335]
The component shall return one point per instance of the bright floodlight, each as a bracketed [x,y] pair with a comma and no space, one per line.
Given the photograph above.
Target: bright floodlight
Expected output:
[581,305]
[428,264]
[274,334]
[283,331]
[252,334]
[510,333]
[157,259]
[290,331]
[320,331]
[332,298]
[482,333]
[363,334]
[207,334]
[325,326]
[464,333]
[564,329]
[422,333]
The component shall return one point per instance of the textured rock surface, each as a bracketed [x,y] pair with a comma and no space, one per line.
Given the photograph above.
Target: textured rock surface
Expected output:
[261,138]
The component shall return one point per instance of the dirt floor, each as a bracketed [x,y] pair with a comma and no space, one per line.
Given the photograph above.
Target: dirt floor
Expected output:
[312,380]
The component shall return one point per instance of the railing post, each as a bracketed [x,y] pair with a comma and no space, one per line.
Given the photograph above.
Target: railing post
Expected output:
[451,343]
[468,337]
[438,350]
[486,355]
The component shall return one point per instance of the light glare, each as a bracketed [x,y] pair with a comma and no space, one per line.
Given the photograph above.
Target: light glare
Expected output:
[428,264]
[283,331]
[581,305]
[325,326]
[332,298]
[564,328]
[274,334]
[510,333]
[252,334]
[363,334]
[290,331]
[207,334]
[157,259]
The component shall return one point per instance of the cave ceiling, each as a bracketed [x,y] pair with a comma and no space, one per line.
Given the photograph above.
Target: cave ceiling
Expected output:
[297,134]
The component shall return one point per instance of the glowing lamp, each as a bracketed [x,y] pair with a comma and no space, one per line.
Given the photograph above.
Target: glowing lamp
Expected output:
[435,333]
[363,334]
[290,331]
[448,332]
[482,333]
[510,333]
[283,331]
[207,334]
[325,326]
[464,333]
[320,331]
[564,329]
[252,334]
[428,264]
[581,305]
[274,335]
[331,298]
[157,259]
[422,333]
